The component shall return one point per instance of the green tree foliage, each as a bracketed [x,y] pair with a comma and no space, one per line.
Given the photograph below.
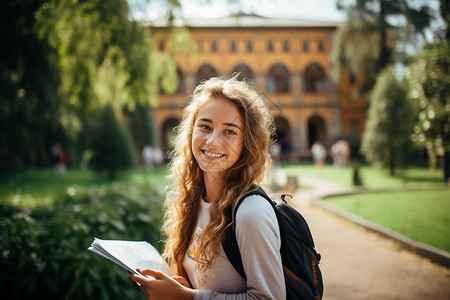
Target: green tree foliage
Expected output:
[103,57]
[62,61]
[29,102]
[368,41]
[444,10]
[44,249]
[429,77]
[112,149]
[140,124]
[386,141]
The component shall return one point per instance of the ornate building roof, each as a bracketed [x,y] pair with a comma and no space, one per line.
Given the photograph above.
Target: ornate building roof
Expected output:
[243,21]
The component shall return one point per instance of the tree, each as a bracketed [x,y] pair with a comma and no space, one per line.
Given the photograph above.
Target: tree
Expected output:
[429,79]
[368,41]
[141,126]
[386,141]
[62,61]
[102,55]
[112,148]
[29,102]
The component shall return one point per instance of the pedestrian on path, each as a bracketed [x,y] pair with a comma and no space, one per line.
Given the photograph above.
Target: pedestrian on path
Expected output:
[148,155]
[319,154]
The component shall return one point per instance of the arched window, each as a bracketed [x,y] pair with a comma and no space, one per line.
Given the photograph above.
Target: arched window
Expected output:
[317,130]
[213,46]
[283,136]
[244,72]
[314,79]
[286,46]
[249,46]
[205,72]
[305,46]
[269,46]
[278,79]
[321,46]
[233,46]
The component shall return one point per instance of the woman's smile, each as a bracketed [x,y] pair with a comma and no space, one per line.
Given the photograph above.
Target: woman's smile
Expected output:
[212,154]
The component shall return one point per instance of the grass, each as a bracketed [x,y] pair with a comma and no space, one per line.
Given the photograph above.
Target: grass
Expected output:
[39,187]
[371,177]
[421,215]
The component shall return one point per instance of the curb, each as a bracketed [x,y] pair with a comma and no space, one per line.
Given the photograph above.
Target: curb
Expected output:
[437,256]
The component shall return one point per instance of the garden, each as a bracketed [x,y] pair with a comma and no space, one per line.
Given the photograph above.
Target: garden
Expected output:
[48,220]
[415,203]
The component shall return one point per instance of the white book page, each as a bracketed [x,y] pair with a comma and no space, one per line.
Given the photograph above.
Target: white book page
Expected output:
[131,255]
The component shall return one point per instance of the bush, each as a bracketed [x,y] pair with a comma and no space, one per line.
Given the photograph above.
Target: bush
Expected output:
[112,147]
[44,250]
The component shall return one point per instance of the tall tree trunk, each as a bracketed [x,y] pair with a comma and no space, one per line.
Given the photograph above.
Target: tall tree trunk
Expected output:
[446,166]
[384,51]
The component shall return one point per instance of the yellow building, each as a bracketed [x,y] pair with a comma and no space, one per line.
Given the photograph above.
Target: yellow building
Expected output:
[288,61]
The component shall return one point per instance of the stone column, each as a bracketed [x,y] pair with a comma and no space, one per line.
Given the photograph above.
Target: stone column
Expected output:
[156,129]
[335,128]
[260,81]
[298,132]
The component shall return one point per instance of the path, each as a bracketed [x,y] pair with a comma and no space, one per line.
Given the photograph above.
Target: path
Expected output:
[358,264]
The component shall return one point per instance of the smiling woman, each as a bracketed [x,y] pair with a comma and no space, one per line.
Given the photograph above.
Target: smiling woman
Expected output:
[221,150]
[217,139]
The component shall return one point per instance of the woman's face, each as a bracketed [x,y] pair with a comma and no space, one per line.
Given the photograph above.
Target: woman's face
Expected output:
[218,136]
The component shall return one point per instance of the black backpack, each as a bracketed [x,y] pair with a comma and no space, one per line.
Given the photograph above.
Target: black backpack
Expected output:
[300,260]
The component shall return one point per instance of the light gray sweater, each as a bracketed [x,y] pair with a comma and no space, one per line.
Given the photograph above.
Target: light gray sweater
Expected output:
[258,237]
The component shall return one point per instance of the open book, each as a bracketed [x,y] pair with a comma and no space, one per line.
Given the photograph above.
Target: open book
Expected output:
[131,255]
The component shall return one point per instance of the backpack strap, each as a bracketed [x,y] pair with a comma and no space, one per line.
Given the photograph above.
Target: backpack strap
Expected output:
[230,245]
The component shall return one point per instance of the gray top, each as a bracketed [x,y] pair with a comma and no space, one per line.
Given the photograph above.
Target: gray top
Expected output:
[258,237]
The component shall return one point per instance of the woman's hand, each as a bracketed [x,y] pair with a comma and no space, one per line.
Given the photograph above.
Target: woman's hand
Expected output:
[159,286]
[183,281]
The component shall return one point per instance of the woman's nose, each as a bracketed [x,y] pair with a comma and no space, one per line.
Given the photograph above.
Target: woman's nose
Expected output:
[213,138]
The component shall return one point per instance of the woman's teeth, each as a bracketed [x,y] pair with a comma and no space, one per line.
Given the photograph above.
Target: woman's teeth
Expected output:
[211,154]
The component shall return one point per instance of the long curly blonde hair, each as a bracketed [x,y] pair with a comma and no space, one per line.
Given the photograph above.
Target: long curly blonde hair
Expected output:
[187,185]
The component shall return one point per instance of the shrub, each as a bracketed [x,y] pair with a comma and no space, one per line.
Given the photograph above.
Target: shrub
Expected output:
[112,148]
[44,250]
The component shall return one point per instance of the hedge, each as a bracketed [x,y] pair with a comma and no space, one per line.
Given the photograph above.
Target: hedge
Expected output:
[44,249]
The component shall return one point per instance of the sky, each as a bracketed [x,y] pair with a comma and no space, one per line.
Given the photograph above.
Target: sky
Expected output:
[323,10]
[320,10]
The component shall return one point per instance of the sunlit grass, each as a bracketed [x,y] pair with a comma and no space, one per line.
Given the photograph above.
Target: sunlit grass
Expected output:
[421,215]
[371,177]
[40,187]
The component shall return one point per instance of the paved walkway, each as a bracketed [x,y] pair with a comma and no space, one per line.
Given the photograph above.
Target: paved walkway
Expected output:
[359,264]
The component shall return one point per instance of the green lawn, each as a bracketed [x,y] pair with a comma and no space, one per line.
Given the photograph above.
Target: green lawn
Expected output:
[371,177]
[30,188]
[421,215]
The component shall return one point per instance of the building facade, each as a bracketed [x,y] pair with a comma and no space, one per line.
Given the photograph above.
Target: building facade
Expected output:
[289,63]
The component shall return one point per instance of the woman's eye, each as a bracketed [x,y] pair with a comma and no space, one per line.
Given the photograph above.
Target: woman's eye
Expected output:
[229,131]
[206,127]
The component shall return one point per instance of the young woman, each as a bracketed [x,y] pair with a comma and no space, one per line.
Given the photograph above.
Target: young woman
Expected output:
[221,149]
